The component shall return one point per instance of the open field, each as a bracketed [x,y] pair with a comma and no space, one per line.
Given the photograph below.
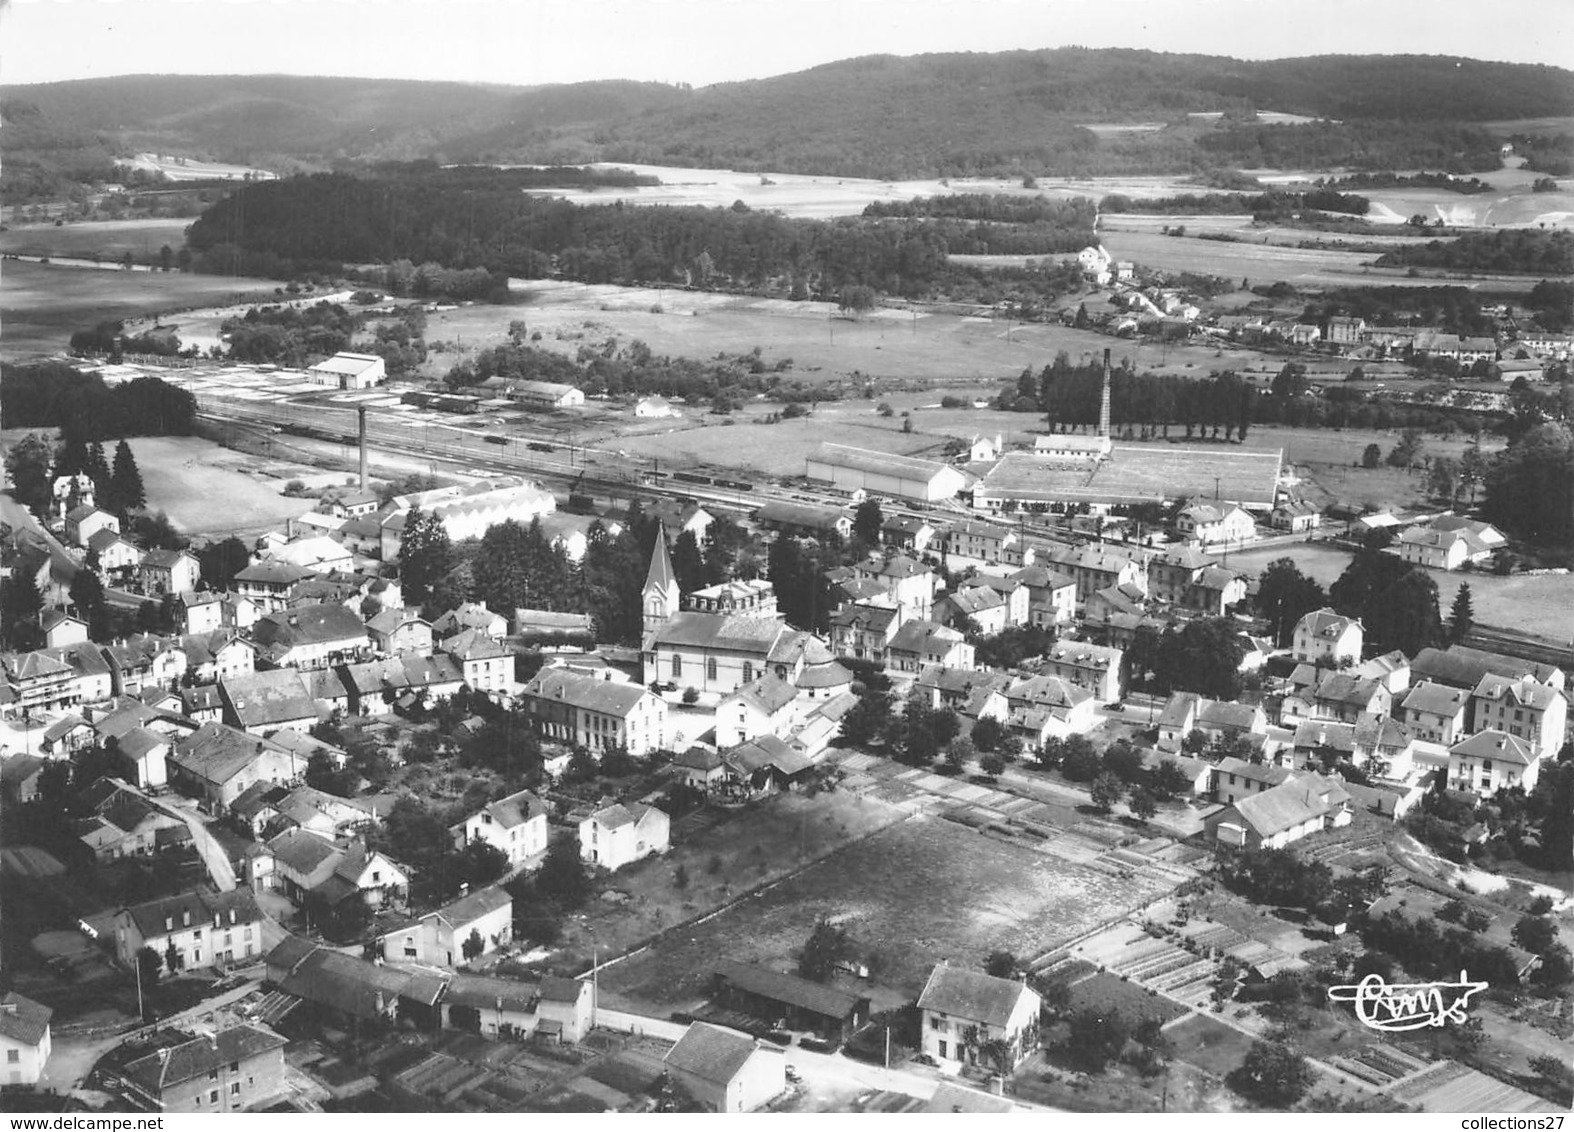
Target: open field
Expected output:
[1262,261]
[43,304]
[110,239]
[1539,604]
[888,347]
[190,169]
[898,893]
[724,852]
[1209,1044]
[210,490]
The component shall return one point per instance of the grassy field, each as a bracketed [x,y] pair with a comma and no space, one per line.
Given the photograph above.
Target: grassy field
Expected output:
[209,490]
[1209,1044]
[912,894]
[891,349]
[44,304]
[109,239]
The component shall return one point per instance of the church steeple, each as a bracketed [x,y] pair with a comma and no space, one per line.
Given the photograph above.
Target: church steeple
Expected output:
[660,596]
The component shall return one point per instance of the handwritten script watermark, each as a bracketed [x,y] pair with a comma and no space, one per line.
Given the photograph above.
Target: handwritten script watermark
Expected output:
[1407,1006]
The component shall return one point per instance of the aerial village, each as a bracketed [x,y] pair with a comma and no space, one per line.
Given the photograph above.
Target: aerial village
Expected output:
[895,804]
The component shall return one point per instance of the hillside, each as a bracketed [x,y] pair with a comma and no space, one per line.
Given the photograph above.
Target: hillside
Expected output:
[878,115]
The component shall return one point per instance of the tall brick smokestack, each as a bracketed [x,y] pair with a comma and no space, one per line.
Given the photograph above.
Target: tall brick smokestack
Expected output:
[1104,400]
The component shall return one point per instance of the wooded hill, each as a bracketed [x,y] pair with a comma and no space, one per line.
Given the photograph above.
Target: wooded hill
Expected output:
[882,116]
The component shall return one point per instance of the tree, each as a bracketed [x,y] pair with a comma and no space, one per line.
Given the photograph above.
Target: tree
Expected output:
[1142,803]
[1555,1072]
[1530,486]
[867,522]
[993,764]
[150,966]
[1272,1074]
[959,752]
[989,734]
[1202,656]
[1096,1038]
[855,299]
[1169,780]
[221,561]
[174,961]
[1535,934]
[125,483]
[826,946]
[562,877]
[1462,617]
[1284,596]
[29,462]
[866,721]
[1372,457]
[1002,965]
[1078,760]
[425,555]
[20,605]
[1123,760]
[473,944]
[1106,791]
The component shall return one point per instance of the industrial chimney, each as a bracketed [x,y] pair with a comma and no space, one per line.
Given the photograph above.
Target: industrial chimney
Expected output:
[1103,405]
[360,420]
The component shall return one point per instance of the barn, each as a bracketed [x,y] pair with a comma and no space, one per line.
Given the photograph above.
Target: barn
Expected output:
[880,473]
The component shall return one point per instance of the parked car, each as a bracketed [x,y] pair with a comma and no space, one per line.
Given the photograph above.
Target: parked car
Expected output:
[793,1075]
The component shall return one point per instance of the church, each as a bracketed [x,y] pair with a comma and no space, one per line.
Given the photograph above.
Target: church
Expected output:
[716,653]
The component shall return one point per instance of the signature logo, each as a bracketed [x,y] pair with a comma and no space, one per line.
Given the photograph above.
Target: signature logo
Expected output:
[1407,1006]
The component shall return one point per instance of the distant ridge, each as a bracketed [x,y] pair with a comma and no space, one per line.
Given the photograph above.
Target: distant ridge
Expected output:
[877,115]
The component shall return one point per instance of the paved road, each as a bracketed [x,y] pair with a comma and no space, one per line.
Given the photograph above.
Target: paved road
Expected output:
[208,848]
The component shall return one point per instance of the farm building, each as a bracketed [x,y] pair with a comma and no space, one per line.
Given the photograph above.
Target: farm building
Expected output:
[349,371]
[804,1005]
[880,473]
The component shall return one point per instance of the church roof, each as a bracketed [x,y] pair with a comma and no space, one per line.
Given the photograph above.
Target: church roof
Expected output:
[660,575]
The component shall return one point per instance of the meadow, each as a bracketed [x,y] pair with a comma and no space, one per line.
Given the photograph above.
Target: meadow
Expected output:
[44,304]
[108,239]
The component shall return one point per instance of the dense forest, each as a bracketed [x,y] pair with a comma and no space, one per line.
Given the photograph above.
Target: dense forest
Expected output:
[319,223]
[878,116]
[1518,251]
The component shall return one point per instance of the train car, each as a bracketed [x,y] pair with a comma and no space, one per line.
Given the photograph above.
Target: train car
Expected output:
[540,446]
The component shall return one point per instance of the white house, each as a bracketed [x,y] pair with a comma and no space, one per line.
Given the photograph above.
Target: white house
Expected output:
[1526,708]
[962,1009]
[765,707]
[439,938]
[726,1071]
[653,407]
[619,835]
[1325,637]
[1492,759]
[24,1038]
[1215,522]
[516,825]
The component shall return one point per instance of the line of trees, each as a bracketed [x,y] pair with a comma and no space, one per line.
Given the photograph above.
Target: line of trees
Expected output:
[1069,393]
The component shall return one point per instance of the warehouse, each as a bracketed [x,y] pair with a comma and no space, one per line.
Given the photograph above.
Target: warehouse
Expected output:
[880,473]
[1132,475]
[349,371]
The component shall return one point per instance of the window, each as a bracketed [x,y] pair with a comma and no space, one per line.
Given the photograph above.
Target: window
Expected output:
[234,1067]
[213,1075]
[677,666]
[710,668]
[235,1089]
[13,1056]
[748,672]
[213,1096]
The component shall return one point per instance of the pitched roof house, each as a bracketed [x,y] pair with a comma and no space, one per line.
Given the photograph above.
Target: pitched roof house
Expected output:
[963,1008]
